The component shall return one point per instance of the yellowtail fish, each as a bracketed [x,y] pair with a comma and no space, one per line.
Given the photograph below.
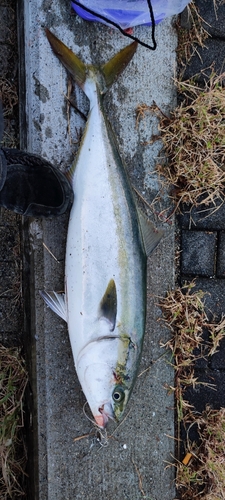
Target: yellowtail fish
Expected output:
[106,253]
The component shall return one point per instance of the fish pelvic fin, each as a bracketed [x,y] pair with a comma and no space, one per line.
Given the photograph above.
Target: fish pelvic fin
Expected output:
[106,74]
[56,302]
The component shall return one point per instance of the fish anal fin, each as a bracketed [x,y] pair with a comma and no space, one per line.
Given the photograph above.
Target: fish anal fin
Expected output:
[151,236]
[108,305]
[112,69]
[56,302]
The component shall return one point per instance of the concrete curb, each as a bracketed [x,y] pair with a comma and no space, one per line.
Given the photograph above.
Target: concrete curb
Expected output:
[64,469]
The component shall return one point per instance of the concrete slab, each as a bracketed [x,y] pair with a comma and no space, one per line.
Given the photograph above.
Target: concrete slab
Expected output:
[133,465]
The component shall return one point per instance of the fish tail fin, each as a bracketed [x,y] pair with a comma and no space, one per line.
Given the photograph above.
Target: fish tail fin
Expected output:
[67,57]
[115,66]
[80,71]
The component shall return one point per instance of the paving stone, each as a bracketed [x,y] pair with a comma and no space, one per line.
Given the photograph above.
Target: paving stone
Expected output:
[217,361]
[199,221]
[206,59]
[200,397]
[204,394]
[214,298]
[198,253]
[221,256]
[213,14]
[202,362]
[204,217]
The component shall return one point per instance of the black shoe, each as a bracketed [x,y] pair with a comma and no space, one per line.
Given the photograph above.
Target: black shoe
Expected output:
[32,186]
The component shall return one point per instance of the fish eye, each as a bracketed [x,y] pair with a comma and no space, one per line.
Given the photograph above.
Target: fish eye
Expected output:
[118,395]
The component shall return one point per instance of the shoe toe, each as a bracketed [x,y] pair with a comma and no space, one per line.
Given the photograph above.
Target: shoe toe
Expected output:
[36,190]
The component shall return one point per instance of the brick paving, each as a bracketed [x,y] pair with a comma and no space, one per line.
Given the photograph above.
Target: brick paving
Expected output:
[202,231]
[203,259]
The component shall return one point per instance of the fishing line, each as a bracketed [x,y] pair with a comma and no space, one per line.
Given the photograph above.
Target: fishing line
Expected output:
[102,437]
[90,11]
[90,419]
[100,434]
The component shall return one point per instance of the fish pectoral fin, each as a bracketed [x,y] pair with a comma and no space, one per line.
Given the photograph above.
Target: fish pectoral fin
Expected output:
[151,236]
[56,302]
[108,305]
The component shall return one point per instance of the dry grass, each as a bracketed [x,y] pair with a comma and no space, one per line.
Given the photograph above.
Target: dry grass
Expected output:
[184,313]
[193,135]
[194,143]
[13,380]
[9,98]
[189,40]
[204,476]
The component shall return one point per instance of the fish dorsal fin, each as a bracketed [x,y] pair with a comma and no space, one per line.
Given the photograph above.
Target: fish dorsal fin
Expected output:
[112,69]
[108,305]
[56,302]
[67,57]
[151,236]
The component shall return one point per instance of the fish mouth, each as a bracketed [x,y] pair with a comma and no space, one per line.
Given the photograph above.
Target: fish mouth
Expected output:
[102,419]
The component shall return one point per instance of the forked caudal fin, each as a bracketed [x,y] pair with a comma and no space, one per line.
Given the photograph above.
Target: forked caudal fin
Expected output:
[80,71]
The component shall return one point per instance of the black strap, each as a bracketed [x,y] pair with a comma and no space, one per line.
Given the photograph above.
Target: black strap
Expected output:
[79,4]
